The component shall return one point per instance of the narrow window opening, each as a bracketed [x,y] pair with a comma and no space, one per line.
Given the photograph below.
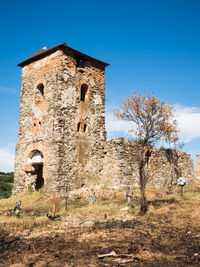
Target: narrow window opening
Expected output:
[40,88]
[85,128]
[39,124]
[78,127]
[84,89]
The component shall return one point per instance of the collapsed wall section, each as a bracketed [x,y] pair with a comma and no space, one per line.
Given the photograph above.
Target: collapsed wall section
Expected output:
[167,165]
[121,166]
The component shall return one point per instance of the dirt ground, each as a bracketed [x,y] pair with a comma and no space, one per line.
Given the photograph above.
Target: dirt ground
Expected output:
[134,243]
[169,235]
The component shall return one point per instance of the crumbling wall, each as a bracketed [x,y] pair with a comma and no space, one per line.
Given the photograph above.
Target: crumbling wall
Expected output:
[120,165]
[198,167]
[167,165]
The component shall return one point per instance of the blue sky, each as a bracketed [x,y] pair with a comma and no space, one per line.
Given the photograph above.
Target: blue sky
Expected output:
[152,46]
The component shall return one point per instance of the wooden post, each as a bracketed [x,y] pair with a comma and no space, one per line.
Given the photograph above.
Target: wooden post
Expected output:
[54,210]
[66,196]
[181,191]
[54,201]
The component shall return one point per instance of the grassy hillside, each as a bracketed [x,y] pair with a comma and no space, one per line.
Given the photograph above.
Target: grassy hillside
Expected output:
[168,235]
[6,181]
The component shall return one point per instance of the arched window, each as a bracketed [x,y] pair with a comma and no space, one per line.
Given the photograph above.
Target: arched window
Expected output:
[40,88]
[84,90]
[35,157]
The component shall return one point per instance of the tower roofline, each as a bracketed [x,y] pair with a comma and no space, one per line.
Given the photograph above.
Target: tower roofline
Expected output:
[44,52]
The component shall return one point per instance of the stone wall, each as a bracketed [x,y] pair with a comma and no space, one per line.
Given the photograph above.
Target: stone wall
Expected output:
[167,165]
[120,165]
[35,108]
[198,167]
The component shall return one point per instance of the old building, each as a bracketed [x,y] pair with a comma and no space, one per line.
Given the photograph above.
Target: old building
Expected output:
[62,119]
[62,136]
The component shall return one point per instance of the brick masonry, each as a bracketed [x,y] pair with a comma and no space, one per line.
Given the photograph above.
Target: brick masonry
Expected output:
[62,136]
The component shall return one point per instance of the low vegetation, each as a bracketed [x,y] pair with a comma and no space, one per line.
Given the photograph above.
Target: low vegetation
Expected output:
[168,235]
[6,181]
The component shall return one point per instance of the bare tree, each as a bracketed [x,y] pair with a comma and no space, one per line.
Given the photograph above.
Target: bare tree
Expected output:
[153,121]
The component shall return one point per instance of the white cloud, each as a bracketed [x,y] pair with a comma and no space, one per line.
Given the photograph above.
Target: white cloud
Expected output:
[117,128]
[7,157]
[188,119]
[8,90]
[113,125]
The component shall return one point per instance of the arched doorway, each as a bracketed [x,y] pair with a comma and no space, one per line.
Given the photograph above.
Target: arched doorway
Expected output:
[38,171]
[36,160]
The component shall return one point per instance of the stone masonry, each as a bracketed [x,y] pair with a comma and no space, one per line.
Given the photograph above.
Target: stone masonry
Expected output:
[120,165]
[62,119]
[62,136]
[198,167]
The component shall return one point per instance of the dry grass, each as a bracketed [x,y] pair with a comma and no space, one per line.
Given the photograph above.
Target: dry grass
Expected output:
[168,233]
[110,204]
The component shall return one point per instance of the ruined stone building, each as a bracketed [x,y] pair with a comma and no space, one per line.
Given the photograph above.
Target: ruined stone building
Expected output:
[62,136]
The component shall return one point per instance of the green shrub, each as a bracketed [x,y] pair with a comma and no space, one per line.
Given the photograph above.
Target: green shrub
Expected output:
[7,177]
[5,190]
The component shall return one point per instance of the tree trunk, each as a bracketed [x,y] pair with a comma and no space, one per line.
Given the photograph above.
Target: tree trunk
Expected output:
[143,180]
[143,204]
[143,201]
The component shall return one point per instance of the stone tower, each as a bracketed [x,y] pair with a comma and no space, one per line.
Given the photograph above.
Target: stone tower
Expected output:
[62,120]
